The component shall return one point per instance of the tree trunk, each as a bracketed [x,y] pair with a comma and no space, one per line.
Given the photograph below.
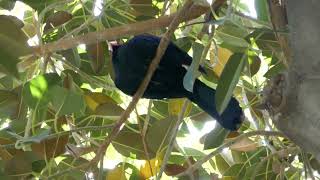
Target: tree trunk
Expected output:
[299,117]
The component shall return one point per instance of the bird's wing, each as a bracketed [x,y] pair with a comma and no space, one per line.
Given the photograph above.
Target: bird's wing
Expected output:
[149,44]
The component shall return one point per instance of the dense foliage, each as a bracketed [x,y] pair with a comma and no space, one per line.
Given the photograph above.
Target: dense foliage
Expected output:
[57,108]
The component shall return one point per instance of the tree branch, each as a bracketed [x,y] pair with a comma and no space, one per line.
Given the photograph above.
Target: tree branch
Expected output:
[120,31]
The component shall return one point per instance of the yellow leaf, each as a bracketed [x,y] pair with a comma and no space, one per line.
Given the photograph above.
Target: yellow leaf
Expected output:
[92,104]
[95,99]
[175,107]
[223,57]
[117,173]
[229,178]
[151,168]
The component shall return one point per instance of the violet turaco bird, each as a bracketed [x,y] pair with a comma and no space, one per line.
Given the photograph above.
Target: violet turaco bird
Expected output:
[132,59]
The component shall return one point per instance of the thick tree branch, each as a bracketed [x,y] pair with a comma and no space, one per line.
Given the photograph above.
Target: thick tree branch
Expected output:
[120,31]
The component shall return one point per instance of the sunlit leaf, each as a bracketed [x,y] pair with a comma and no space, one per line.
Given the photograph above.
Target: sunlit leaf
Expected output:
[228,80]
[118,173]
[151,168]
[215,138]
[35,91]
[223,57]
[175,107]
[262,10]
[102,104]
[221,164]
[232,36]
[192,72]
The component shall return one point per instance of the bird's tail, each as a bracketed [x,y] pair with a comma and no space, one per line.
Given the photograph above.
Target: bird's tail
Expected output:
[204,97]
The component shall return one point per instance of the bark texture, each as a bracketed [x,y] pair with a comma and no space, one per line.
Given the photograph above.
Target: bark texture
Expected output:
[299,116]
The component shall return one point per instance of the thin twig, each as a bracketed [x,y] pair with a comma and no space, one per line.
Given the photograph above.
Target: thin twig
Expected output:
[199,163]
[174,132]
[144,143]
[51,136]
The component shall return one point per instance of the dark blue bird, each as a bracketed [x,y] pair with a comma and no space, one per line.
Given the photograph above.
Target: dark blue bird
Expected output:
[131,61]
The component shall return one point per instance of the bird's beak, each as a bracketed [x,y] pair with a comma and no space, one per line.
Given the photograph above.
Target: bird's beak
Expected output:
[112,46]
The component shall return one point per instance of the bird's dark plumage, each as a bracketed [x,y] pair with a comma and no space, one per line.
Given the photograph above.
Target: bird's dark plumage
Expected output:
[132,59]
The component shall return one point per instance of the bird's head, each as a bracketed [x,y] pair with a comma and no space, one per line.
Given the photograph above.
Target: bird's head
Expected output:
[113,47]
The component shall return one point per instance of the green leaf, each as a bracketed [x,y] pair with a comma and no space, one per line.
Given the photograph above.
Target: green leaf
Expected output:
[159,133]
[239,157]
[228,80]
[97,53]
[274,70]
[144,7]
[254,64]
[68,101]
[234,170]
[262,10]
[221,164]
[39,5]
[232,35]
[71,56]
[194,153]
[265,171]
[37,166]
[76,173]
[160,109]
[129,144]
[87,68]
[13,43]
[21,164]
[184,43]
[8,5]
[266,41]
[35,91]
[192,72]
[215,138]
[9,104]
